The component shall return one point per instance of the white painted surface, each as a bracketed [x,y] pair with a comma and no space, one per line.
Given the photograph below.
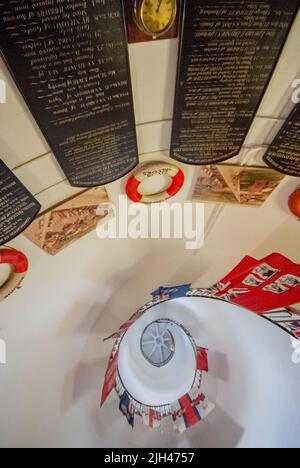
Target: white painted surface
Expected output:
[153,69]
[53,326]
[50,387]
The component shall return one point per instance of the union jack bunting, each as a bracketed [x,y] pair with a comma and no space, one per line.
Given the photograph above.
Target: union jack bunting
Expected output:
[293,327]
[189,412]
[202,359]
[152,419]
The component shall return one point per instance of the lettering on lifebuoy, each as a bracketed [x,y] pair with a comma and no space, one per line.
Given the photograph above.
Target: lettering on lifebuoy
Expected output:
[151,170]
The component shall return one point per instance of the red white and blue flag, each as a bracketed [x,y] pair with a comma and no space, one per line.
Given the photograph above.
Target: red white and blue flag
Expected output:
[127,409]
[152,419]
[189,412]
[202,359]
[293,327]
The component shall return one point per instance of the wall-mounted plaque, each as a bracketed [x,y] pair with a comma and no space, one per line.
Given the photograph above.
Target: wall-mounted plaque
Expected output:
[18,207]
[70,61]
[235,185]
[228,52]
[284,153]
[66,223]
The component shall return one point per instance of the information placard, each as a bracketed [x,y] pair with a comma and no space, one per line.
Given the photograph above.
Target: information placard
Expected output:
[70,61]
[228,52]
[284,153]
[18,207]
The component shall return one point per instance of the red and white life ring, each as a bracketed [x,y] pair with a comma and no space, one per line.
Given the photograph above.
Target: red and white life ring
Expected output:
[294,203]
[151,170]
[19,266]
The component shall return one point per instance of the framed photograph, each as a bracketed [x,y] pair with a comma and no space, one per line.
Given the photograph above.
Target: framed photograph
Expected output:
[57,228]
[238,185]
[265,271]
[252,280]
[276,288]
[289,280]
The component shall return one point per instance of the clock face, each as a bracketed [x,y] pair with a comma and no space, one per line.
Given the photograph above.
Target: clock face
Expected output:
[156,16]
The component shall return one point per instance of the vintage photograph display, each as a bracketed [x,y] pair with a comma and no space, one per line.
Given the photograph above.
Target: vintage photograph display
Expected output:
[59,227]
[237,185]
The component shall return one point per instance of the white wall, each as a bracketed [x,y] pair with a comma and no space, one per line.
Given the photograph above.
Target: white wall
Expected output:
[54,325]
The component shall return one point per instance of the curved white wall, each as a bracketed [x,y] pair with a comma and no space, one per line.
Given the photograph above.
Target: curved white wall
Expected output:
[53,326]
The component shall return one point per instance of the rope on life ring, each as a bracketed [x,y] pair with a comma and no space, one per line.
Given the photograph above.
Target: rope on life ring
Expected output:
[151,170]
[19,266]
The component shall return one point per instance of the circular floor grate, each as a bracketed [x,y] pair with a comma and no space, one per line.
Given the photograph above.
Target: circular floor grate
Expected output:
[157,343]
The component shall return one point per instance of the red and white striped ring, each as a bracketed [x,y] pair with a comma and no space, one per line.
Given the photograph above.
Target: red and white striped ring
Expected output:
[19,266]
[151,170]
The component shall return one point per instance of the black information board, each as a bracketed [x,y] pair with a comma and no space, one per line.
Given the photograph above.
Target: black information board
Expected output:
[284,153]
[228,52]
[18,207]
[70,61]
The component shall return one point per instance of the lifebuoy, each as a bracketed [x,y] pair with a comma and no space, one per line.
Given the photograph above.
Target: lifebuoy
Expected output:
[151,170]
[294,203]
[19,266]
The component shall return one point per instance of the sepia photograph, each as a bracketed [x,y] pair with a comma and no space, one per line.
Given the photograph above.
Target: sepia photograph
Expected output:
[238,185]
[56,229]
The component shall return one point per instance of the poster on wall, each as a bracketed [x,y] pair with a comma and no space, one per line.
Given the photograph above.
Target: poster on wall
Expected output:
[70,62]
[284,153]
[228,53]
[237,185]
[18,207]
[262,285]
[56,229]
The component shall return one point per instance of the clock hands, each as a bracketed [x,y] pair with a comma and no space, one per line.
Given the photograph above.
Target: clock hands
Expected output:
[158,6]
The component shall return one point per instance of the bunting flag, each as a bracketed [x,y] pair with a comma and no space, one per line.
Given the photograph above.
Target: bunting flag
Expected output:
[202,359]
[191,414]
[205,407]
[152,419]
[160,295]
[285,319]
[294,328]
[110,377]
[127,409]
[175,292]
[267,287]
[188,411]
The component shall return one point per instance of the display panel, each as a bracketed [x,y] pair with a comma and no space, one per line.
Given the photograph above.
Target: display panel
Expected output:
[70,61]
[235,185]
[18,207]
[227,55]
[284,153]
